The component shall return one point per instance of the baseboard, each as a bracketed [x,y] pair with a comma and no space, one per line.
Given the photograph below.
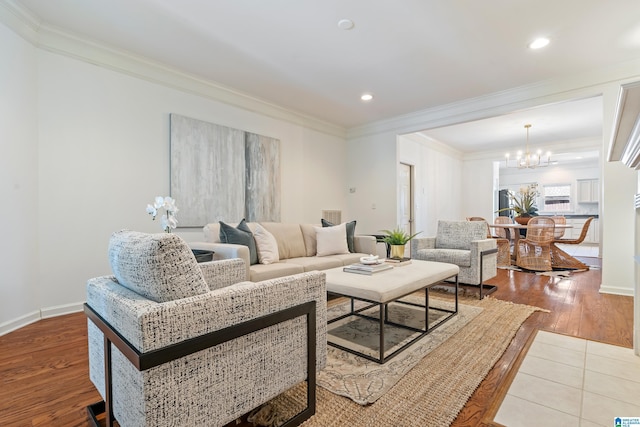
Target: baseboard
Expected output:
[19,322]
[628,292]
[60,310]
[34,316]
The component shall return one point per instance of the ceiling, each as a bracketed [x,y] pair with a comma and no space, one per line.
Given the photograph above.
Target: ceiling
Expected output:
[411,55]
[552,126]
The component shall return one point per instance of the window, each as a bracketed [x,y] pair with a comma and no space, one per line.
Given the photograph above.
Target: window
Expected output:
[557,198]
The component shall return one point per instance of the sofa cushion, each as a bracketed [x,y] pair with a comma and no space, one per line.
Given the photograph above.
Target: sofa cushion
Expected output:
[160,267]
[331,240]
[240,235]
[289,238]
[351,231]
[266,244]
[260,272]
[316,263]
[459,257]
[459,234]
[309,237]
[349,258]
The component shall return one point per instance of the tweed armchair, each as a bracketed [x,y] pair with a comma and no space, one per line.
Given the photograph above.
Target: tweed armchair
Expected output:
[194,344]
[461,243]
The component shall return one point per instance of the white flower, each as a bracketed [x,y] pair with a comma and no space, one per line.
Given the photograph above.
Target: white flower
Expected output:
[170,205]
[159,202]
[168,221]
[152,211]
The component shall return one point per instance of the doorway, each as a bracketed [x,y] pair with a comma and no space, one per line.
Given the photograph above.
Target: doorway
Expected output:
[405,201]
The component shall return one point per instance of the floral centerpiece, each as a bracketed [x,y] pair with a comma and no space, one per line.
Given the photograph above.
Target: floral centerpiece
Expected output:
[168,220]
[523,202]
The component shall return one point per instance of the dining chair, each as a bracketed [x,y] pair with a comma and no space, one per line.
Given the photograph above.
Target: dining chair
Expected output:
[534,251]
[500,232]
[561,259]
[559,220]
[504,247]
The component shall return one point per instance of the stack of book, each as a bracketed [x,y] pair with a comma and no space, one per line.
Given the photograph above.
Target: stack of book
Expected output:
[368,269]
[398,262]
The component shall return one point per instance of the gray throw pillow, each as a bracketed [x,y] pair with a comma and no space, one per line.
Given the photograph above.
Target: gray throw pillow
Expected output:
[240,235]
[351,231]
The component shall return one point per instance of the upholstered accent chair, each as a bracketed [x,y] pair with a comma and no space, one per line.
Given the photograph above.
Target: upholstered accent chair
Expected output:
[173,342]
[463,243]
[503,244]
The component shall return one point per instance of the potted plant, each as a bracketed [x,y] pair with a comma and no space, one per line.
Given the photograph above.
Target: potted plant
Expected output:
[397,239]
[523,204]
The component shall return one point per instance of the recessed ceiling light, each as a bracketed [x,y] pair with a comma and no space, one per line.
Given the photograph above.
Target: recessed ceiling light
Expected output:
[366,97]
[539,43]
[345,24]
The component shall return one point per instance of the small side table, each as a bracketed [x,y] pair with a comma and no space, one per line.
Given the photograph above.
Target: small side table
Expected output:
[380,239]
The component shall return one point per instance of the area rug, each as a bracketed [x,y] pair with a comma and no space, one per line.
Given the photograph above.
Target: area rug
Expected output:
[433,392]
[365,381]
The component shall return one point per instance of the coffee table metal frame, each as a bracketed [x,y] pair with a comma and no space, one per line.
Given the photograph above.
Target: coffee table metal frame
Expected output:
[383,319]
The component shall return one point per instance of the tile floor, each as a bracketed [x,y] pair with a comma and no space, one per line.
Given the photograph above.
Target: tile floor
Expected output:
[583,249]
[567,381]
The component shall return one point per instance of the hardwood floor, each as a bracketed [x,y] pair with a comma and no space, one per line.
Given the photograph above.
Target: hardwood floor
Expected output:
[44,378]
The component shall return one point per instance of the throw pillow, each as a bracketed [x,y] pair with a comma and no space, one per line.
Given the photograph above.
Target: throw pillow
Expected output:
[160,267]
[331,240]
[351,231]
[267,246]
[240,235]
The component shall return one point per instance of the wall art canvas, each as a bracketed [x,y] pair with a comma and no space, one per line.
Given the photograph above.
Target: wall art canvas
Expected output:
[223,174]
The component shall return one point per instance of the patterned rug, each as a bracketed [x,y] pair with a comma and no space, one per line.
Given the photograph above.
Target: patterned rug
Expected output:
[432,393]
[364,381]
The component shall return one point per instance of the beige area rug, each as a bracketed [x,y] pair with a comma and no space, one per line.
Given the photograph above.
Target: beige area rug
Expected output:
[365,381]
[433,392]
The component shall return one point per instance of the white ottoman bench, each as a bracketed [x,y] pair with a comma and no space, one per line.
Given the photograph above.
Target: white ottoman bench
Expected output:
[382,288]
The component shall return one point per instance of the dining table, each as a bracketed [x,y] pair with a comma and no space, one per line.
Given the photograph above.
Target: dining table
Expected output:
[558,256]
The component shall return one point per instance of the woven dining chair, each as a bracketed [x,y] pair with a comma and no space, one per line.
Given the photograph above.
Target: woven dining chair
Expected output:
[559,232]
[561,259]
[534,251]
[504,247]
[500,232]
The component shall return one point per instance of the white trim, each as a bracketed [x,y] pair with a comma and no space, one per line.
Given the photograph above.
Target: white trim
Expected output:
[616,290]
[19,322]
[58,41]
[550,91]
[60,310]
[44,313]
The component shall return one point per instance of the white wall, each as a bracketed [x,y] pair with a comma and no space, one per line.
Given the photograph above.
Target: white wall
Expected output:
[93,150]
[478,188]
[618,185]
[372,174]
[437,182]
[19,298]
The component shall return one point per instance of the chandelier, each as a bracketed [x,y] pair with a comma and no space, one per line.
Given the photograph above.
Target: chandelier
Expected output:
[528,159]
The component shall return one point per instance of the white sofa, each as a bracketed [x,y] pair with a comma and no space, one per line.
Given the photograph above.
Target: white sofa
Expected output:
[297,250]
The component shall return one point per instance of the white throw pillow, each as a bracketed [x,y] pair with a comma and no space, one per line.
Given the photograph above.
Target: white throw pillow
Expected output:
[266,244]
[332,240]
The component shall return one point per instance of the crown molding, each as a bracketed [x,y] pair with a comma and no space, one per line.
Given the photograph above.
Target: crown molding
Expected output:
[433,144]
[48,38]
[20,19]
[583,85]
